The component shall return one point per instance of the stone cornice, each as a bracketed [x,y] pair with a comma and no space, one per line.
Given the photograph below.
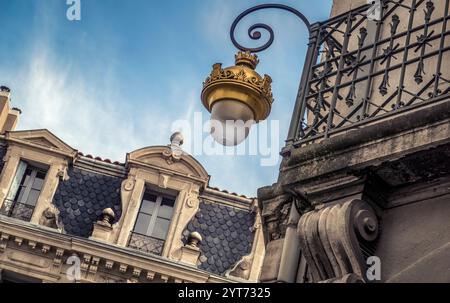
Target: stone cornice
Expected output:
[308,162]
[100,166]
[97,256]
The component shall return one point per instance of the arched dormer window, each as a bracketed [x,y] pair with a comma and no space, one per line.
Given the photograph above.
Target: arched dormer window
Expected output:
[159,198]
[34,162]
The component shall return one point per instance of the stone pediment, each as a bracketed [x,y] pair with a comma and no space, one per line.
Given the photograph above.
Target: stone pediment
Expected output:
[41,138]
[163,157]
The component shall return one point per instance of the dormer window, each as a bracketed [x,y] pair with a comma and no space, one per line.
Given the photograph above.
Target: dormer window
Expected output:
[152,223]
[24,192]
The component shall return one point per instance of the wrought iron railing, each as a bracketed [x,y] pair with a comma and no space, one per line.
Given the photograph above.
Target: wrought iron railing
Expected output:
[17,210]
[146,243]
[358,70]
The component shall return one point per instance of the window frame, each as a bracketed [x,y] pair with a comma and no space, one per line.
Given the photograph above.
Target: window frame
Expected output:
[22,200]
[29,187]
[155,213]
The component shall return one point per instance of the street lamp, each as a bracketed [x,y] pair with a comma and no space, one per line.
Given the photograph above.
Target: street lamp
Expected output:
[238,97]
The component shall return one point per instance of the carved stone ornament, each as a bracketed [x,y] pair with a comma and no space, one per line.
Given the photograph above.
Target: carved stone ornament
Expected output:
[175,152]
[191,201]
[163,180]
[49,218]
[242,268]
[330,240]
[107,217]
[277,228]
[128,184]
[62,174]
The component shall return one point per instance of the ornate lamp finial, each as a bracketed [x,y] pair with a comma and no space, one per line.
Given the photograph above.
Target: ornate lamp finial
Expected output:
[247,59]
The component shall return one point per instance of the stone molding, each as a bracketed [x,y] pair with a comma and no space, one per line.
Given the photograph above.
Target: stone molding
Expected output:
[42,253]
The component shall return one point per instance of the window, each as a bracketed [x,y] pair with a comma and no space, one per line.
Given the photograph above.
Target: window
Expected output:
[152,223]
[24,192]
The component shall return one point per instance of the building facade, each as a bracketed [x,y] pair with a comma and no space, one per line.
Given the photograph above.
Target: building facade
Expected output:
[365,176]
[153,218]
[362,196]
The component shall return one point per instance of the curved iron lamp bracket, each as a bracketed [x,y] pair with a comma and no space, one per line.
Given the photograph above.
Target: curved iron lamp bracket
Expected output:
[253,32]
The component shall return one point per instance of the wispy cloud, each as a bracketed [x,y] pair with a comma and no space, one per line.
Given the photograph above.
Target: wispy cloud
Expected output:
[54,93]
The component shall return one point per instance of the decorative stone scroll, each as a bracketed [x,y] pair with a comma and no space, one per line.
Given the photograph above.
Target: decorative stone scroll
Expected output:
[330,240]
[242,268]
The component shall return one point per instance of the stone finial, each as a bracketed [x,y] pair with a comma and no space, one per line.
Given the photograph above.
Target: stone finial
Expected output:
[176,139]
[190,253]
[103,228]
[4,89]
[194,239]
[175,152]
[107,216]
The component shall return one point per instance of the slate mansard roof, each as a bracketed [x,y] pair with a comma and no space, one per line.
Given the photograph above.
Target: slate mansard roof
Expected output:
[227,235]
[81,200]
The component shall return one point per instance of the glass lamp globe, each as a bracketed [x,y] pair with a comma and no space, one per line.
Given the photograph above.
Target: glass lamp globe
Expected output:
[231,121]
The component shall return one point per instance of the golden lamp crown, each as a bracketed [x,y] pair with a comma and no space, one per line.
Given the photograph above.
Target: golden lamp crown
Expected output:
[247,59]
[240,83]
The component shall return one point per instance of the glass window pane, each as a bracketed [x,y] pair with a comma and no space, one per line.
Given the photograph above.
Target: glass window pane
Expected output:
[41,174]
[166,208]
[168,201]
[17,181]
[149,197]
[26,179]
[142,223]
[39,180]
[147,207]
[37,184]
[20,192]
[161,228]
[33,197]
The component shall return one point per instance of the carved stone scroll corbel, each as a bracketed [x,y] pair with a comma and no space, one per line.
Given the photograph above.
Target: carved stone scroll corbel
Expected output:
[330,239]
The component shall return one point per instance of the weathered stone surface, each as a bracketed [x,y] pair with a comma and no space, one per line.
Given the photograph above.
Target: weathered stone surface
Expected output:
[415,239]
[272,260]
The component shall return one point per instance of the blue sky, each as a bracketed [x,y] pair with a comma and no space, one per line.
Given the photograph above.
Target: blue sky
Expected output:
[116,80]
